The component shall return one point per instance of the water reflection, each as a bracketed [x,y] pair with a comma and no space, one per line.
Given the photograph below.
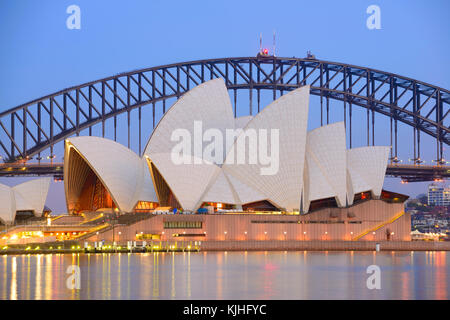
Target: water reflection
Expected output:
[173,290]
[227,275]
[14,279]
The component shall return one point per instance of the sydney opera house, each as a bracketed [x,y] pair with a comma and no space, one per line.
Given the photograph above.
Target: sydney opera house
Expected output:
[212,176]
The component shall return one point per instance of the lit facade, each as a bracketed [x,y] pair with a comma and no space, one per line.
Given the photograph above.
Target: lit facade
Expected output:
[366,220]
[438,195]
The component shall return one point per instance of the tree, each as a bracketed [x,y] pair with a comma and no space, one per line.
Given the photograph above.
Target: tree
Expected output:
[423,198]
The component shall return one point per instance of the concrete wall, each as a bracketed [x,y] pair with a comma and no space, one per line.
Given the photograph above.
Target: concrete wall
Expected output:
[317,245]
[226,227]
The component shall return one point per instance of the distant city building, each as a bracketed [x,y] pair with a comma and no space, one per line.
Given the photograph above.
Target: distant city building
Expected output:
[438,195]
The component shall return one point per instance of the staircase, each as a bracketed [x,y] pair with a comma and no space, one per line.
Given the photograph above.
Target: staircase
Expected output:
[125,219]
[132,218]
[378,226]
[100,229]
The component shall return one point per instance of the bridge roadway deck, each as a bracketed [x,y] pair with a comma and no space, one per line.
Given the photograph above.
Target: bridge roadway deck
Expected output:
[408,172]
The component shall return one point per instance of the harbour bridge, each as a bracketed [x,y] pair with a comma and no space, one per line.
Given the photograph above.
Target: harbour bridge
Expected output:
[31,133]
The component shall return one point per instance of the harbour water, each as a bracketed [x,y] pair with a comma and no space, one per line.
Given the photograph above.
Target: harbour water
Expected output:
[227,275]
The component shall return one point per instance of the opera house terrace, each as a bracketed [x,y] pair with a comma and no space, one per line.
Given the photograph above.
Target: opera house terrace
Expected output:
[301,186]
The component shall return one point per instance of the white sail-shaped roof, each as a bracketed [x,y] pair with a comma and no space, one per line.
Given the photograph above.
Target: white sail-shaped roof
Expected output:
[367,168]
[207,105]
[355,183]
[288,115]
[316,185]
[241,122]
[244,193]
[326,158]
[120,169]
[31,195]
[7,204]
[21,203]
[146,190]
[188,182]
[221,191]
[28,196]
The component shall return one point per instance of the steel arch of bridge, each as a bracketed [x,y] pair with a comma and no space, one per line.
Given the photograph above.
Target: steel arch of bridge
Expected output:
[29,129]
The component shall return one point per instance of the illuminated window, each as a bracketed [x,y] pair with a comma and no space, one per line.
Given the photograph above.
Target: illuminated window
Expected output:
[182,224]
[145,206]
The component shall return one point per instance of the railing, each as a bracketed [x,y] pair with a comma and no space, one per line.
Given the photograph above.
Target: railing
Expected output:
[379,226]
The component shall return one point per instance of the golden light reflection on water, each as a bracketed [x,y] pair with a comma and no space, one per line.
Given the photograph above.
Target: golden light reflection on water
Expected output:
[189,275]
[74,293]
[104,275]
[156,275]
[38,276]
[119,276]
[14,279]
[48,276]
[173,291]
[226,275]
[89,275]
[28,289]
[219,274]
[5,274]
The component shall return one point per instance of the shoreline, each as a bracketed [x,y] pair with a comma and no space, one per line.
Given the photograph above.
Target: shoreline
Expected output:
[205,246]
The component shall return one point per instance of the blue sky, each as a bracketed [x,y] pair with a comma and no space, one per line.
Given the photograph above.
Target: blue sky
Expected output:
[39,55]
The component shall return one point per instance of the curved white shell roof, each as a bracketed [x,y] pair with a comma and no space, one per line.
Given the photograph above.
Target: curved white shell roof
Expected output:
[367,167]
[244,193]
[326,159]
[146,190]
[188,182]
[241,122]
[31,195]
[27,196]
[122,172]
[221,191]
[7,204]
[289,115]
[208,103]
